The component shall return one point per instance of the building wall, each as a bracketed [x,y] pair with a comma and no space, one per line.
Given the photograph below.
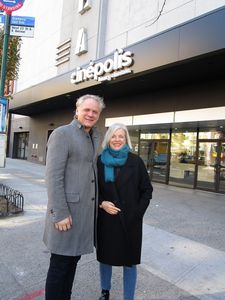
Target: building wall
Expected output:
[38,53]
[110,24]
[173,99]
[130,21]
[169,100]
[40,125]
[18,124]
[72,21]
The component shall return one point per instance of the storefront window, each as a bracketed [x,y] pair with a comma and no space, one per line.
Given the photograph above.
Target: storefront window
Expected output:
[154,136]
[221,168]
[134,137]
[183,158]
[172,158]
[154,150]
[211,135]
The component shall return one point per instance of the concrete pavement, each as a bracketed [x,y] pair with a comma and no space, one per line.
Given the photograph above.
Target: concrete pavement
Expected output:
[183,245]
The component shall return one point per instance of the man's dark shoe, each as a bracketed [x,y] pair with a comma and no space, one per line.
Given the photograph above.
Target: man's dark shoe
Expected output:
[105,295]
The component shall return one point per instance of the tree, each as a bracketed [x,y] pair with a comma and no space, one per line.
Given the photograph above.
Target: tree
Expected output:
[13,58]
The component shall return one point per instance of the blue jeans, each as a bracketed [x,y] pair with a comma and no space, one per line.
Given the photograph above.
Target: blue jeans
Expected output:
[129,279]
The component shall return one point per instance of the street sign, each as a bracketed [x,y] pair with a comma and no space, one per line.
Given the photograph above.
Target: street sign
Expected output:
[20,25]
[22,21]
[23,31]
[10,5]
[19,20]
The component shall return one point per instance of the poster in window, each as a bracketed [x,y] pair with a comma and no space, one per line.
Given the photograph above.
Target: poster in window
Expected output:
[3,114]
[2,149]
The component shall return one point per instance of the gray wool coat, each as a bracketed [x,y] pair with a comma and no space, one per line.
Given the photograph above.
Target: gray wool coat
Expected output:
[72,189]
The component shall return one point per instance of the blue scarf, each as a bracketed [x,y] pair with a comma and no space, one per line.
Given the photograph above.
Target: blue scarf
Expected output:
[113,158]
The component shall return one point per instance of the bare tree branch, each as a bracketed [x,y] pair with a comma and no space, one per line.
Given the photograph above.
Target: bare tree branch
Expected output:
[159,15]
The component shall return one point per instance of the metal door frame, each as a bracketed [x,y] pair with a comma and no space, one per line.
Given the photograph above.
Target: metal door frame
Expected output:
[149,164]
[217,165]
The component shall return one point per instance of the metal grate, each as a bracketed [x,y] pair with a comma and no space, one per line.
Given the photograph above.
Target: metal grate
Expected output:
[11,201]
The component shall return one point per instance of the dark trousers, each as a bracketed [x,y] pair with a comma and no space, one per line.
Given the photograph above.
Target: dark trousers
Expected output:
[60,277]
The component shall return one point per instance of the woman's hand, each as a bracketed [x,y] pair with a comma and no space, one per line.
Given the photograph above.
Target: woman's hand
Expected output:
[64,225]
[109,207]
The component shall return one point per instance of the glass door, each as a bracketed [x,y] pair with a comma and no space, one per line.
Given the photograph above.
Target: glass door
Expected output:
[155,156]
[211,166]
[183,158]
[21,145]
[207,155]
[221,167]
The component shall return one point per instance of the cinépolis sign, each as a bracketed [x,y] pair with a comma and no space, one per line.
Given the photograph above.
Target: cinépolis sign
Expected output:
[107,70]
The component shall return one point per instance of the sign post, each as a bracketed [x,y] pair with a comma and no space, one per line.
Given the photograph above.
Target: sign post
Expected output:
[8,6]
[3,122]
[4,53]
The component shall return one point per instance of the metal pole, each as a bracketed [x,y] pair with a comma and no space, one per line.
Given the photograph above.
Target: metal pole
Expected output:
[4,52]
[3,74]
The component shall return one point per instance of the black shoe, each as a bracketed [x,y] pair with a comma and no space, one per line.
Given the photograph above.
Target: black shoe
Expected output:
[105,295]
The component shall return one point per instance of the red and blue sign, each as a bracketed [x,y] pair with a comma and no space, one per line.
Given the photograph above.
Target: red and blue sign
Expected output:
[10,5]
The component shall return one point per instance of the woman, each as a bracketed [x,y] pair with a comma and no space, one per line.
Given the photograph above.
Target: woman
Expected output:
[124,195]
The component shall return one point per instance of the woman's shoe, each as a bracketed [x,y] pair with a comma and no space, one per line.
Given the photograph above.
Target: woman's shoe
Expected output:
[105,295]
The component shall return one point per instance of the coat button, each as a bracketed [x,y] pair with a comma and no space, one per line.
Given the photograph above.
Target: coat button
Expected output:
[93,198]
[92,180]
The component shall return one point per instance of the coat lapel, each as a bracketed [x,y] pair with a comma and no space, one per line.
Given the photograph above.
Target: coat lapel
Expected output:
[95,139]
[95,136]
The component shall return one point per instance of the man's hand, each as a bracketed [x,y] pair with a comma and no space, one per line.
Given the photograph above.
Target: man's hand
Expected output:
[64,225]
[110,208]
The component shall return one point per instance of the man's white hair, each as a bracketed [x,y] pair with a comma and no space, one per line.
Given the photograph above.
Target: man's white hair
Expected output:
[98,99]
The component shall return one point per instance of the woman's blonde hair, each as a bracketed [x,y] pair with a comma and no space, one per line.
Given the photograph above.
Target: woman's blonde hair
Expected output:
[110,132]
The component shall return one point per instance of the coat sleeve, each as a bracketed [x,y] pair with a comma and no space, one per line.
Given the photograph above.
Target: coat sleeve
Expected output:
[145,189]
[57,155]
[100,169]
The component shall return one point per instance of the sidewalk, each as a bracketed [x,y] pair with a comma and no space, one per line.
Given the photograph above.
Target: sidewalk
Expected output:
[183,245]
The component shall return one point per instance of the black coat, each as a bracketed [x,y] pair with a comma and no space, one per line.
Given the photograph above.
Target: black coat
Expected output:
[120,236]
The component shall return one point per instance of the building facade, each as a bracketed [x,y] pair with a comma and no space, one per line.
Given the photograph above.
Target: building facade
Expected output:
[159,66]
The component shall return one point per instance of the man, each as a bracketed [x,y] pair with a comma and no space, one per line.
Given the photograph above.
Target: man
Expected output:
[71,184]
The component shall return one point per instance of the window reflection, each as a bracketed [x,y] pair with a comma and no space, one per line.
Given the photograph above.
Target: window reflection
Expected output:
[172,158]
[154,136]
[206,164]
[211,135]
[183,157]
[134,137]
[155,156]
